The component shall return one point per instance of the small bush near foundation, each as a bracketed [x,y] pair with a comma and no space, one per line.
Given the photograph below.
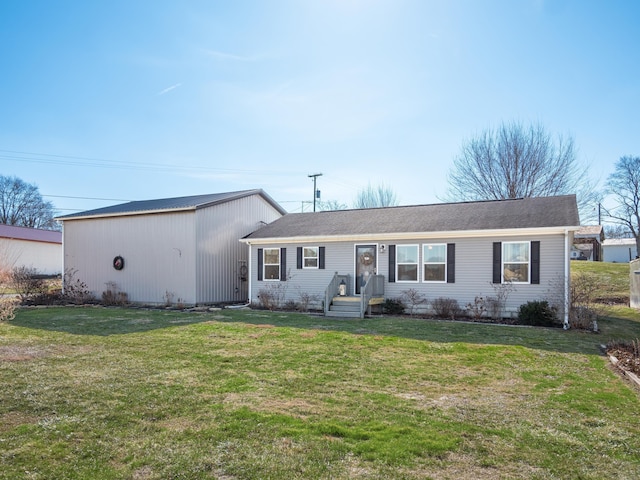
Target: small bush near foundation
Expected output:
[583,318]
[446,308]
[477,308]
[75,290]
[537,313]
[267,299]
[27,283]
[113,296]
[414,299]
[290,306]
[393,306]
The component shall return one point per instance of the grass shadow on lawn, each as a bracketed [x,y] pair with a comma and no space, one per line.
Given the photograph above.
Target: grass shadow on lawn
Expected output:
[101,321]
[104,321]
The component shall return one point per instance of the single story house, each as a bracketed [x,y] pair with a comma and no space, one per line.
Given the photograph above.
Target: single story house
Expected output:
[40,250]
[619,250]
[167,251]
[587,243]
[452,250]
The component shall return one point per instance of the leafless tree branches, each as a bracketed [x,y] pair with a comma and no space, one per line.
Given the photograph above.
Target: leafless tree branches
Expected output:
[22,205]
[516,161]
[624,186]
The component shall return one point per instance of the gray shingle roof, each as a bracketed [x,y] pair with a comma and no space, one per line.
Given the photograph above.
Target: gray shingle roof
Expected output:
[559,211]
[164,204]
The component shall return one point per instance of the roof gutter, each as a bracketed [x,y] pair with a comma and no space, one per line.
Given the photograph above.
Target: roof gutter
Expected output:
[411,235]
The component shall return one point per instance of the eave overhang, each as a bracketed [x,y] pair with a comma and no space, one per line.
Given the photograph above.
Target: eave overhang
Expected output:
[512,232]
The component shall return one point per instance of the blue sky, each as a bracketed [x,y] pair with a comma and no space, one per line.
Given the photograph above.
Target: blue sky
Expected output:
[131,100]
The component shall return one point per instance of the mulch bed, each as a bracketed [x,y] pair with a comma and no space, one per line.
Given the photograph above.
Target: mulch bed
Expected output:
[627,359]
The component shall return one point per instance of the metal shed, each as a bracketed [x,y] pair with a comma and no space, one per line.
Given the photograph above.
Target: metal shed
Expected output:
[174,250]
[31,248]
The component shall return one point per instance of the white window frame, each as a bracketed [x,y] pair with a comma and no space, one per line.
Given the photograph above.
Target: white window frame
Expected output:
[528,262]
[316,258]
[265,265]
[425,262]
[417,263]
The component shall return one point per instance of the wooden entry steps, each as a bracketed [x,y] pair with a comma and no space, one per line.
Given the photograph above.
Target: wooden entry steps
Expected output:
[349,307]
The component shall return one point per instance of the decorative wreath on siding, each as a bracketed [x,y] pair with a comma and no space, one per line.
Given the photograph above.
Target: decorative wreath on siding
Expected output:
[366,259]
[118,263]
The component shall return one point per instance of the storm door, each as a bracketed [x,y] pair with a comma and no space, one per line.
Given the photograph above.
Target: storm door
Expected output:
[366,264]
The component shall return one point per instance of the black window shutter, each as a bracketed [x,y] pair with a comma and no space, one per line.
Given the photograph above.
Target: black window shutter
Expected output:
[392,263]
[535,262]
[497,262]
[260,264]
[299,258]
[283,264]
[321,258]
[451,263]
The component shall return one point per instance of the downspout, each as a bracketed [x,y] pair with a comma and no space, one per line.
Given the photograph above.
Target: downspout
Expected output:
[62,250]
[249,272]
[567,279]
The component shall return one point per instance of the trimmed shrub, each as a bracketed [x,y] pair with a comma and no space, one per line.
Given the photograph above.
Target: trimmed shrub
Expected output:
[393,306]
[444,307]
[537,313]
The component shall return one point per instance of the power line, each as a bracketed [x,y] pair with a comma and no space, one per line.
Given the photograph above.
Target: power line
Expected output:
[90,198]
[53,159]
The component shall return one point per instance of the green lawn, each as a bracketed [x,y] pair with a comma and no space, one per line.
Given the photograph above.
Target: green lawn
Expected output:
[123,393]
[613,279]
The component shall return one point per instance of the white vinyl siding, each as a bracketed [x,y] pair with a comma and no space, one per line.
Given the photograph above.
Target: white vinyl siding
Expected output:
[474,270]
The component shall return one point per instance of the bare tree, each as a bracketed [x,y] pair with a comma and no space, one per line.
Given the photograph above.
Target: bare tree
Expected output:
[617,231]
[624,186]
[22,205]
[374,197]
[516,161]
[331,205]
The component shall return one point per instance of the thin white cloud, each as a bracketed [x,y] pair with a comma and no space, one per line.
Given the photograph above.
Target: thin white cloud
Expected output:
[168,89]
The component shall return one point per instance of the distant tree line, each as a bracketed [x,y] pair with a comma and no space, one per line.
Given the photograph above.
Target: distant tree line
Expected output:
[22,205]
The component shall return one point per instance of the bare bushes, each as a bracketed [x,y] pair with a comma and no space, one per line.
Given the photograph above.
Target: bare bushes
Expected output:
[444,307]
[584,310]
[274,297]
[8,302]
[113,296]
[491,306]
[27,283]
[75,290]
[413,298]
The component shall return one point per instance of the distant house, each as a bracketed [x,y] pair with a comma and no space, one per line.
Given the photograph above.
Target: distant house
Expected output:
[587,243]
[455,250]
[40,250]
[173,250]
[619,250]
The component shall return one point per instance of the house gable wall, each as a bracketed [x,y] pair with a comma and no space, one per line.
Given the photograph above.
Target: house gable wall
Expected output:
[158,250]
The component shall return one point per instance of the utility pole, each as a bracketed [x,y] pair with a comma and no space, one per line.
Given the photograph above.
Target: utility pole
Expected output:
[315,191]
